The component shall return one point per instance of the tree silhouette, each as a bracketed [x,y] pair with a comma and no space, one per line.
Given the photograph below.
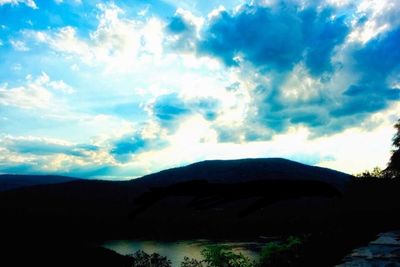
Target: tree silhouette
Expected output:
[142,259]
[187,262]
[393,168]
[223,256]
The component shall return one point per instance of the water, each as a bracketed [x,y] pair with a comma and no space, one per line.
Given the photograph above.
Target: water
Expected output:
[177,250]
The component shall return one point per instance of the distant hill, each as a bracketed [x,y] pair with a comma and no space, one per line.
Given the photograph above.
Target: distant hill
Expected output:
[245,170]
[211,199]
[11,181]
[105,199]
[217,199]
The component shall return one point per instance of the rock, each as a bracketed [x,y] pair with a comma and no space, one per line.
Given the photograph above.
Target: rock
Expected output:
[382,252]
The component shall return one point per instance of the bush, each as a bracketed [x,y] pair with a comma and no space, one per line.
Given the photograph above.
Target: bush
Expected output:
[223,256]
[187,262]
[280,253]
[142,259]
[375,173]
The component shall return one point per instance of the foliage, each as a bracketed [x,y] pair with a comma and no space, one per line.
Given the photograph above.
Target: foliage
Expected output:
[223,256]
[187,262]
[142,259]
[285,253]
[375,173]
[280,253]
[393,169]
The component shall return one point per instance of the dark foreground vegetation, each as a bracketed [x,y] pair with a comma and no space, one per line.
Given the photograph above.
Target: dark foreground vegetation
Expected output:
[284,253]
[318,216]
[58,228]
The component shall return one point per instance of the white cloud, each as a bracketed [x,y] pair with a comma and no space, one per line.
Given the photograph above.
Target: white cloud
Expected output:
[64,40]
[346,151]
[34,94]
[300,86]
[215,12]
[61,86]
[118,44]
[144,11]
[29,3]
[339,3]
[125,44]
[377,16]
[190,17]
[50,155]
[19,45]
[58,2]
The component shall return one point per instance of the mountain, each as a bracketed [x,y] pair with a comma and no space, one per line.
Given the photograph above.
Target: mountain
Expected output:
[11,181]
[64,224]
[236,185]
[245,170]
[211,199]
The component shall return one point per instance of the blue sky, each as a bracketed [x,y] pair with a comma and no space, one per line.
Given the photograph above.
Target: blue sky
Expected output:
[119,89]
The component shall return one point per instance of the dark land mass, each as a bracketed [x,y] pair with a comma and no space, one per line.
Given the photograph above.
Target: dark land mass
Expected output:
[63,224]
[12,181]
[245,170]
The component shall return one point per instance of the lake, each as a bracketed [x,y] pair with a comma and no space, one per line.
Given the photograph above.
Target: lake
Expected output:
[177,250]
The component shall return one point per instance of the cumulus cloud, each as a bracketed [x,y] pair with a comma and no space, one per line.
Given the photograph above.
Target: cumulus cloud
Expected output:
[29,3]
[36,93]
[19,45]
[373,17]
[376,62]
[270,78]
[275,38]
[301,67]
[45,146]
[170,109]
[30,155]
[167,109]
[132,144]
[183,31]
[72,1]
[64,40]
[118,43]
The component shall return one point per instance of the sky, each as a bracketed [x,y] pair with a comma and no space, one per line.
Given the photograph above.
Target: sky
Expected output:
[119,89]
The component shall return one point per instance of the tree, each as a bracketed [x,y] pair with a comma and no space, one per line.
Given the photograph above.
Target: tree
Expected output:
[223,256]
[285,253]
[393,168]
[142,259]
[375,173]
[187,262]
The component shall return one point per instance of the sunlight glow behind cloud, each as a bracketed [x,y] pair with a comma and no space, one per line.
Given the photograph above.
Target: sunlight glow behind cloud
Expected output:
[117,90]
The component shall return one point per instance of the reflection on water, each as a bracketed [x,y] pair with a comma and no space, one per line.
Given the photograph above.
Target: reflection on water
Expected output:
[176,251]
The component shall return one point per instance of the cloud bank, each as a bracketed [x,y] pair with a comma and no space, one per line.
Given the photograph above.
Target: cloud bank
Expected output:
[117,90]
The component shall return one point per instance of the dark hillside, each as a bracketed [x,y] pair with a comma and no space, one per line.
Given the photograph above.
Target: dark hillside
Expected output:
[235,199]
[244,170]
[11,181]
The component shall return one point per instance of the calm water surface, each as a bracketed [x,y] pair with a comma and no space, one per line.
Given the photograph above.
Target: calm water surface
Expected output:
[176,251]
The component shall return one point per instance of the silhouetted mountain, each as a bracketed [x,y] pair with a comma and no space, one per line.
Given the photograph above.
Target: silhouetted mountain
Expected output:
[210,199]
[245,170]
[11,181]
[105,203]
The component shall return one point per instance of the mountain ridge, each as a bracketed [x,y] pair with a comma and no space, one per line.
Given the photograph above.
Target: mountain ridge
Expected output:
[247,169]
[14,181]
[216,170]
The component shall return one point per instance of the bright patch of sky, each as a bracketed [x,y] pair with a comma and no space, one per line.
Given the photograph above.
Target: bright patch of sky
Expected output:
[119,89]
